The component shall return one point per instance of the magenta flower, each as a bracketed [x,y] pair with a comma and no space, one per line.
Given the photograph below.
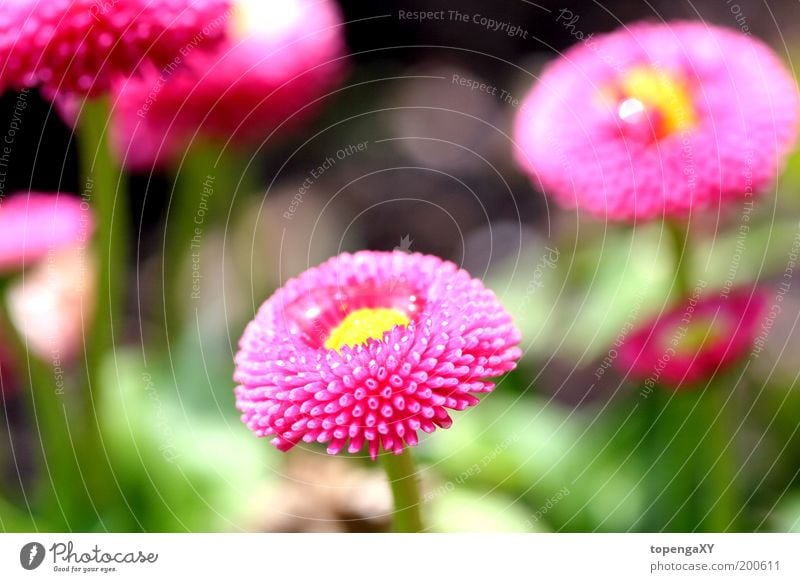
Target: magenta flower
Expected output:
[81,46]
[658,119]
[279,58]
[694,341]
[370,348]
[34,225]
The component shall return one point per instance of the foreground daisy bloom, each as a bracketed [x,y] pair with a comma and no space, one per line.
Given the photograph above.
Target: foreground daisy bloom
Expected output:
[370,348]
[82,46]
[694,341]
[34,225]
[658,119]
[279,58]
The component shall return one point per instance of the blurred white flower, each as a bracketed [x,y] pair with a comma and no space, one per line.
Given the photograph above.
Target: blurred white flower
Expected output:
[52,303]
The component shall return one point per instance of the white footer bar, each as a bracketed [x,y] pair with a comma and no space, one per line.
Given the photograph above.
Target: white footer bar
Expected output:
[380,558]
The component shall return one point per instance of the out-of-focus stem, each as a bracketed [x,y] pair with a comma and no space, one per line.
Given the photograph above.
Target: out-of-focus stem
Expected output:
[670,484]
[208,177]
[722,500]
[679,239]
[103,176]
[696,421]
[59,487]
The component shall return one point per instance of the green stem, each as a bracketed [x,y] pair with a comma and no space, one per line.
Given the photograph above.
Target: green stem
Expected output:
[679,239]
[402,475]
[671,481]
[58,490]
[669,429]
[103,177]
[207,176]
[183,236]
[712,467]
[721,499]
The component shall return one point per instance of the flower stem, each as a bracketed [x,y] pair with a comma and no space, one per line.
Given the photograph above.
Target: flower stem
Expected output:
[57,491]
[721,494]
[671,484]
[103,177]
[669,431]
[402,474]
[679,238]
[714,501]
[207,178]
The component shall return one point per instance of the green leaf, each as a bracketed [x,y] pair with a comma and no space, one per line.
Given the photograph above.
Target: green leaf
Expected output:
[180,469]
[565,465]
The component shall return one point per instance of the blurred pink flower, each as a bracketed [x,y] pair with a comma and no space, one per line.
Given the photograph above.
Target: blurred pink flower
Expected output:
[33,225]
[694,341]
[52,305]
[658,119]
[279,58]
[370,348]
[81,46]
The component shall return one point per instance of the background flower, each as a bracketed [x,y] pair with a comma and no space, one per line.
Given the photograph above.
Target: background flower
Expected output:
[81,46]
[694,341]
[370,348]
[658,119]
[279,58]
[52,306]
[35,224]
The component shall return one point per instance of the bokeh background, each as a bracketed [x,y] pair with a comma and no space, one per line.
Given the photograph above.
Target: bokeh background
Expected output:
[558,445]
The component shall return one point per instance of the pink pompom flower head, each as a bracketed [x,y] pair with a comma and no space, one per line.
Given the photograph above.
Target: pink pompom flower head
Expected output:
[658,119]
[33,225]
[81,46]
[693,341]
[279,58]
[370,348]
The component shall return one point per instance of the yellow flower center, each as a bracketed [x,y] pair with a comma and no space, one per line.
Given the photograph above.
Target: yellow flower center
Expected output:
[647,88]
[363,324]
[698,335]
[264,18]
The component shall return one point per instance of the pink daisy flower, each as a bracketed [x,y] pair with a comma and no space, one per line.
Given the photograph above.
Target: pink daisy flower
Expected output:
[81,46]
[34,225]
[658,119]
[279,58]
[694,341]
[368,349]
